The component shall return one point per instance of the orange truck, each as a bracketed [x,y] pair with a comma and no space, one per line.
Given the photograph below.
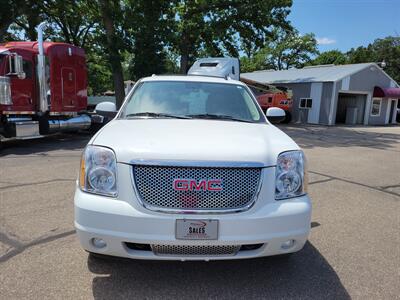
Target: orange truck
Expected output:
[272,96]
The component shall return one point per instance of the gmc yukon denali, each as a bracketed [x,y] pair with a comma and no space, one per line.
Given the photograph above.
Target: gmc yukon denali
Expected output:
[191,169]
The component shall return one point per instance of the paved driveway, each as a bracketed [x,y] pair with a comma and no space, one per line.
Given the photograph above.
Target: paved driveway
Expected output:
[354,248]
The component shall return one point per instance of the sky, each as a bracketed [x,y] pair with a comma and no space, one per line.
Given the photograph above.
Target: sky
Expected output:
[346,24]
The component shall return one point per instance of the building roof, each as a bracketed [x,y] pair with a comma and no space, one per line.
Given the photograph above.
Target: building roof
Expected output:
[323,73]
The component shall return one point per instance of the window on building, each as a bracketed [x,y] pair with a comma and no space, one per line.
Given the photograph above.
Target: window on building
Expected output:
[376,107]
[305,103]
[269,99]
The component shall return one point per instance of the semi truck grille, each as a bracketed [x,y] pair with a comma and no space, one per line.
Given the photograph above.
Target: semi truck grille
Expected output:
[195,250]
[196,188]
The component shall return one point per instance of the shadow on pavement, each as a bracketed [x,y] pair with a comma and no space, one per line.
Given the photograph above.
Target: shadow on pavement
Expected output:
[304,275]
[76,141]
[343,136]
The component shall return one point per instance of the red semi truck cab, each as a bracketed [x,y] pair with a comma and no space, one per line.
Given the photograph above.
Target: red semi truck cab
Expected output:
[65,75]
[43,89]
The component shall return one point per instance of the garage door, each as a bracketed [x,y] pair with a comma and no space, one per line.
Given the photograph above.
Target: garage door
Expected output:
[350,108]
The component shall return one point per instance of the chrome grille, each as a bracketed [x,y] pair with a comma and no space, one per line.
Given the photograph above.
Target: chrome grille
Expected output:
[195,250]
[155,187]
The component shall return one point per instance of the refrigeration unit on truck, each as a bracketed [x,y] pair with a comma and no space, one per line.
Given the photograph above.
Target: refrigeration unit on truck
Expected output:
[43,89]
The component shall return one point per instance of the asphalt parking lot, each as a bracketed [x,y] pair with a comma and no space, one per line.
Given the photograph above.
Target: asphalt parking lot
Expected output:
[353,251]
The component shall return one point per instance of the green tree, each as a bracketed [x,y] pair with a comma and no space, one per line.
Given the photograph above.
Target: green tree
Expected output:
[218,27]
[290,49]
[99,72]
[256,62]
[29,19]
[386,49]
[360,55]
[10,10]
[285,49]
[148,29]
[136,38]
[66,24]
[334,57]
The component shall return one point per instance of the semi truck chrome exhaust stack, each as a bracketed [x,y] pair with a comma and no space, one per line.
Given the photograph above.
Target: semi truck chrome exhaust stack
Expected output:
[41,72]
[81,122]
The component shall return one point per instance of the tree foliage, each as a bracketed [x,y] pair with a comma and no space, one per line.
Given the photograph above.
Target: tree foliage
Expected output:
[386,49]
[10,10]
[149,27]
[157,34]
[285,49]
[219,27]
[129,39]
[334,57]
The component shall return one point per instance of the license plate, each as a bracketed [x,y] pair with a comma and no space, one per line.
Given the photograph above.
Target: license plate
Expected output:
[196,229]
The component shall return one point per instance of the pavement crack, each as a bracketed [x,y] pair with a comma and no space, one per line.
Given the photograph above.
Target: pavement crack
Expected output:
[37,183]
[384,187]
[43,240]
[379,189]
[4,238]
[321,181]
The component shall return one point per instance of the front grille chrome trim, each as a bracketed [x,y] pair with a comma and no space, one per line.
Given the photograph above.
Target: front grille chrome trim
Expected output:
[196,211]
[198,163]
[195,250]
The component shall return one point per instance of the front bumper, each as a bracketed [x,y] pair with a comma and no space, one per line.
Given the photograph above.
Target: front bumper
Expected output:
[118,222]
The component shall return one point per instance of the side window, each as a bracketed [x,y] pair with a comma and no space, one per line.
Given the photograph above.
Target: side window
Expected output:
[376,107]
[28,68]
[305,103]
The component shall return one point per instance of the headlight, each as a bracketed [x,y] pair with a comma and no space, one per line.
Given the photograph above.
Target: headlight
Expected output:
[291,179]
[98,173]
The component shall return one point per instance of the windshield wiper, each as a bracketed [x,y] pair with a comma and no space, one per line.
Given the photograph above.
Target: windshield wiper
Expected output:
[156,115]
[218,117]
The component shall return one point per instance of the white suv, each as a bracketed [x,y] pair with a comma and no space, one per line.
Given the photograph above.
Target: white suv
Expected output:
[191,169]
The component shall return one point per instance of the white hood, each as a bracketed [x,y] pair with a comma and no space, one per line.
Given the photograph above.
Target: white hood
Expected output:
[194,140]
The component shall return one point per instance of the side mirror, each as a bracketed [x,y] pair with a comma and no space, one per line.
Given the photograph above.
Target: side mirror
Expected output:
[275,114]
[106,109]
[15,62]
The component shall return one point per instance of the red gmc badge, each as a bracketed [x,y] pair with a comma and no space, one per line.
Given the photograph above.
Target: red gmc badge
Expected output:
[213,185]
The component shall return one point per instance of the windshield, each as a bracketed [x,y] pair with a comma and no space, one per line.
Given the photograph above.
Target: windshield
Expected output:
[178,99]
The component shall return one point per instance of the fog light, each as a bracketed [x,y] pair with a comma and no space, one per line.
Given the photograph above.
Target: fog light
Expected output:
[98,243]
[288,244]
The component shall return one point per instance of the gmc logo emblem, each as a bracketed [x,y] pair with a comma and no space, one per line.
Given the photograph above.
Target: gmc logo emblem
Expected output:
[213,185]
